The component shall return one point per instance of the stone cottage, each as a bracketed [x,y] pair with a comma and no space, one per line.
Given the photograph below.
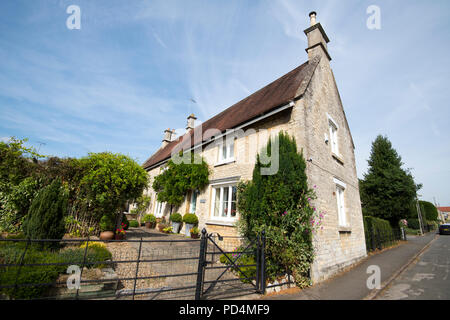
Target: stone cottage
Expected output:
[306,104]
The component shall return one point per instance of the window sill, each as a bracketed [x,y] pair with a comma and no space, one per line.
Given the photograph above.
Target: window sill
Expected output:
[337,158]
[222,223]
[224,162]
[344,229]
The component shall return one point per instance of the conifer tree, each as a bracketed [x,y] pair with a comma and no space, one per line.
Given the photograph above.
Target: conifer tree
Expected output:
[279,204]
[387,189]
[45,219]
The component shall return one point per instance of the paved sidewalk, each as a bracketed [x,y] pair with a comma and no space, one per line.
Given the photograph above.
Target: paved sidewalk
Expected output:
[351,285]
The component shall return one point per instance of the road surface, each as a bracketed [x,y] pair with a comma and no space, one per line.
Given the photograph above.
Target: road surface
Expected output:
[426,279]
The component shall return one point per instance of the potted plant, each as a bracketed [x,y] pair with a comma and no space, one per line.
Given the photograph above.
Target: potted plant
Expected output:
[195,233]
[120,233]
[162,226]
[150,221]
[176,219]
[106,226]
[190,220]
[168,230]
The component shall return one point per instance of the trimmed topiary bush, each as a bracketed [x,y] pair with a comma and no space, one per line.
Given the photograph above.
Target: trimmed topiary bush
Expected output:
[190,218]
[107,223]
[149,218]
[176,217]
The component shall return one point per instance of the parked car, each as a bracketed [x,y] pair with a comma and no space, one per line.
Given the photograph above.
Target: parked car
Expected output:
[444,228]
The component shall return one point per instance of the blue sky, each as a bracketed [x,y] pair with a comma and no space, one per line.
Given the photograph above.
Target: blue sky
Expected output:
[132,69]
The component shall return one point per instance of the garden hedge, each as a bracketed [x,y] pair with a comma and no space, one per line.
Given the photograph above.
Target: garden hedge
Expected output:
[379,233]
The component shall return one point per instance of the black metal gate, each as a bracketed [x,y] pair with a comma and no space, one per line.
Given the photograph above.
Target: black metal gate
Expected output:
[223,269]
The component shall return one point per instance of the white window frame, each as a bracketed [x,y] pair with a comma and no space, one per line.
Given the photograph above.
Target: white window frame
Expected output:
[340,201]
[229,146]
[333,130]
[221,188]
[159,208]
[193,202]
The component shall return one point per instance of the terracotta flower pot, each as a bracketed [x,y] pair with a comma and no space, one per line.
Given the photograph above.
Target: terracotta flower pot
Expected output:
[106,235]
[150,225]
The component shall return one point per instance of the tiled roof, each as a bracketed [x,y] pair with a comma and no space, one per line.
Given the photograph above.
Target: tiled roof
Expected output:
[444,209]
[276,94]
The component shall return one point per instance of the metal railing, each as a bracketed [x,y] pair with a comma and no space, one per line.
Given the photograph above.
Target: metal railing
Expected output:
[137,269]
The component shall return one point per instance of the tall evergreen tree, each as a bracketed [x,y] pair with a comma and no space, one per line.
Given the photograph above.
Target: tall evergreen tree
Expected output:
[279,204]
[45,219]
[387,189]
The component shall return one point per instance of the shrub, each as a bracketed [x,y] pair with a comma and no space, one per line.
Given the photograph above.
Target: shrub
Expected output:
[107,223]
[176,217]
[11,253]
[149,218]
[280,205]
[190,218]
[429,210]
[134,224]
[244,259]
[45,218]
[413,223]
[378,232]
[168,229]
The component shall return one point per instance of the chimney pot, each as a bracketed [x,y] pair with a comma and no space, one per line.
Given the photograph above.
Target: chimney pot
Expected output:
[191,122]
[312,16]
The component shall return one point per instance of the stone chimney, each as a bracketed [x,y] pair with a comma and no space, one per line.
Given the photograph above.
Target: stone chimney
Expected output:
[167,137]
[191,122]
[317,39]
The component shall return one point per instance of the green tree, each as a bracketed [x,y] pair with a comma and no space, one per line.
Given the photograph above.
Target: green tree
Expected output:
[387,189]
[45,219]
[18,186]
[109,181]
[177,180]
[280,205]
[429,210]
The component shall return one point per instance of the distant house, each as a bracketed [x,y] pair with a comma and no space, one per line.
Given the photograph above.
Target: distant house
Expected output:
[306,104]
[444,212]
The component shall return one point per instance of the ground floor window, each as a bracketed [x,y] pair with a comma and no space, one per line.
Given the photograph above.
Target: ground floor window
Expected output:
[159,209]
[340,199]
[193,202]
[224,202]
